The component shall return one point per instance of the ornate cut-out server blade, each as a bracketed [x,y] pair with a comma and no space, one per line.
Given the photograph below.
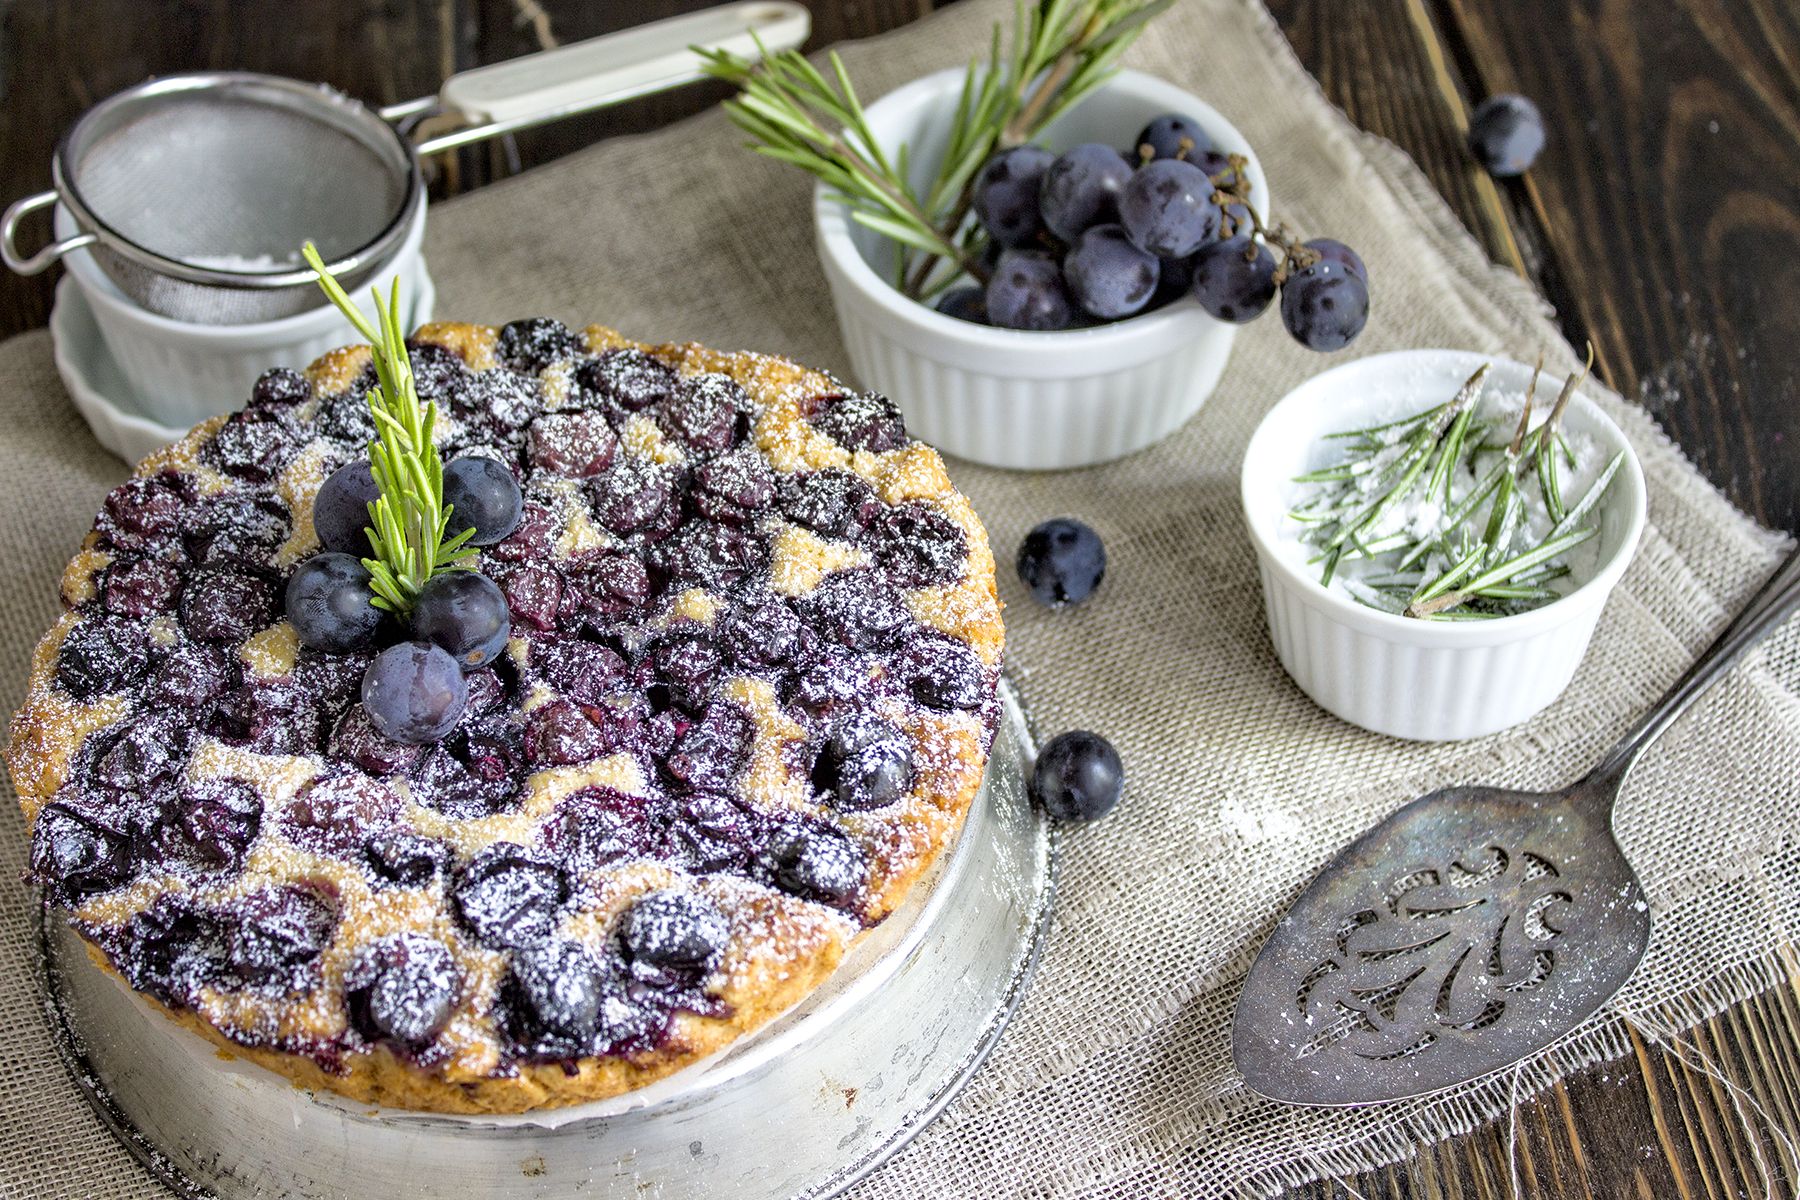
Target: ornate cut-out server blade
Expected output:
[1470,929]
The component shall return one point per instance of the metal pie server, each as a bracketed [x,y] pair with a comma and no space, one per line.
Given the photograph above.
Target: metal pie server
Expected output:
[1472,928]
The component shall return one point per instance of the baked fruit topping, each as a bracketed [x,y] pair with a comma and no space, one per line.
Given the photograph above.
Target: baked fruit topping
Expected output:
[717,691]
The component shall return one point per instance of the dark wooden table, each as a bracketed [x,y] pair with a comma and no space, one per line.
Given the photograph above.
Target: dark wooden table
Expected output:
[1663,223]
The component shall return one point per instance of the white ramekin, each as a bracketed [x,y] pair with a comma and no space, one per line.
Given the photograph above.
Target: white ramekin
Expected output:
[183,373]
[1008,397]
[1424,680]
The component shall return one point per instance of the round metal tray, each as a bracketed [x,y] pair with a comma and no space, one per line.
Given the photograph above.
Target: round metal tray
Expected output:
[805,1107]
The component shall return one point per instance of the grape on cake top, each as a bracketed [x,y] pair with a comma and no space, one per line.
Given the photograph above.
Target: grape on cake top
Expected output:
[746,699]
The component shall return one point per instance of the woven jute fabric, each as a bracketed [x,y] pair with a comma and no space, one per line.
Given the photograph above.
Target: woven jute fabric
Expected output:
[1115,1078]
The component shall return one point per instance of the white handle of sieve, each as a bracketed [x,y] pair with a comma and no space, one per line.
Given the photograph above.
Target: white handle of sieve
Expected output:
[9,227]
[534,89]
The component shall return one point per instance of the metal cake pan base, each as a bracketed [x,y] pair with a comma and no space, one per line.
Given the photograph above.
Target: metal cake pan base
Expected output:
[803,1108]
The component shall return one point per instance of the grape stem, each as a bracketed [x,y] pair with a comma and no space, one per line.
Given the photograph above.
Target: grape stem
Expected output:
[1232,186]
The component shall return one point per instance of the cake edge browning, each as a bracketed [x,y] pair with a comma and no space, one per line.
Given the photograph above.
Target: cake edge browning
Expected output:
[48,729]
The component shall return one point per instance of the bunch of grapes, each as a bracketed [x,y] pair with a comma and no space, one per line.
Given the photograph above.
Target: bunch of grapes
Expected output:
[1098,234]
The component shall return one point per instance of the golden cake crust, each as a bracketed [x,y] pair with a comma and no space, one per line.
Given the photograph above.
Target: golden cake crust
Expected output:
[781,946]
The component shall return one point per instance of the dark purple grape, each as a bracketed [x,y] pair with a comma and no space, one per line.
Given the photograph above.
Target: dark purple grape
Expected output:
[860,609]
[483,495]
[338,813]
[533,595]
[678,932]
[918,546]
[1167,208]
[1108,276]
[140,587]
[1006,194]
[1061,562]
[1028,291]
[414,692]
[941,672]
[865,763]
[586,672]
[708,554]
[560,734]
[637,496]
[1324,305]
[965,303]
[223,605]
[733,488]
[703,410]
[411,983]
[356,740]
[142,513]
[253,445]
[1506,134]
[279,931]
[838,504]
[606,587]
[627,380]
[100,657]
[73,858]
[579,444]
[508,898]
[687,661]
[1174,136]
[219,818]
[330,604]
[760,631]
[1234,280]
[171,950]
[818,864]
[465,613]
[709,755]
[1344,256]
[1078,777]
[238,529]
[280,387]
[536,342]
[1081,189]
[407,858]
[860,421]
[436,369]
[561,985]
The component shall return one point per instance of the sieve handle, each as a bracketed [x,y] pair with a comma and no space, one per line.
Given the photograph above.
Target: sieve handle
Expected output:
[9,228]
[534,89]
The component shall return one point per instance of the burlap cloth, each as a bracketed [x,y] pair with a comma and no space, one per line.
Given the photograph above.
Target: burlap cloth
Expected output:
[1114,1079]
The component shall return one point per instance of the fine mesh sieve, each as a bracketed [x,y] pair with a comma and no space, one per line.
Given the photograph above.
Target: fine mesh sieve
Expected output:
[200,190]
[194,192]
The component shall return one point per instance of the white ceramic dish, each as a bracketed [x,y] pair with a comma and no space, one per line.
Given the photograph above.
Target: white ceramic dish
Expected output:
[183,372]
[102,394]
[1007,397]
[1424,680]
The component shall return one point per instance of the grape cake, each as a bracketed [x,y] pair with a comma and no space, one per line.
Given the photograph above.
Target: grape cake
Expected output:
[747,700]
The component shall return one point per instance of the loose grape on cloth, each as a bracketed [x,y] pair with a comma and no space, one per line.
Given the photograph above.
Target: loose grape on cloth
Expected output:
[1115,1078]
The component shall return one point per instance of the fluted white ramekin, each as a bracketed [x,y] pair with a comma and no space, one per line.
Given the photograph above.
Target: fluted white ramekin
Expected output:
[1016,398]
[183,372]
[1424,680]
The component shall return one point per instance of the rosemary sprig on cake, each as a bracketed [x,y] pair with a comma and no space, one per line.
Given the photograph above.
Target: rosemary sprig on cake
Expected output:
[415,593]
[1441,523]
[1059,52]
[408,534]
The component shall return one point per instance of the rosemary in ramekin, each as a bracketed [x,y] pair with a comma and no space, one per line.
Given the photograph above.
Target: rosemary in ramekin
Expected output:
[1444,524]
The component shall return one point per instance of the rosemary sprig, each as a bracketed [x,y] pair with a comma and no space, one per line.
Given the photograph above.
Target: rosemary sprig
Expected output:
[408,519]
[1463,554]
[1060,51]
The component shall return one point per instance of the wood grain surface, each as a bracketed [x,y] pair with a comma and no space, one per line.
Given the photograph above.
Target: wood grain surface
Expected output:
[1663,223]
